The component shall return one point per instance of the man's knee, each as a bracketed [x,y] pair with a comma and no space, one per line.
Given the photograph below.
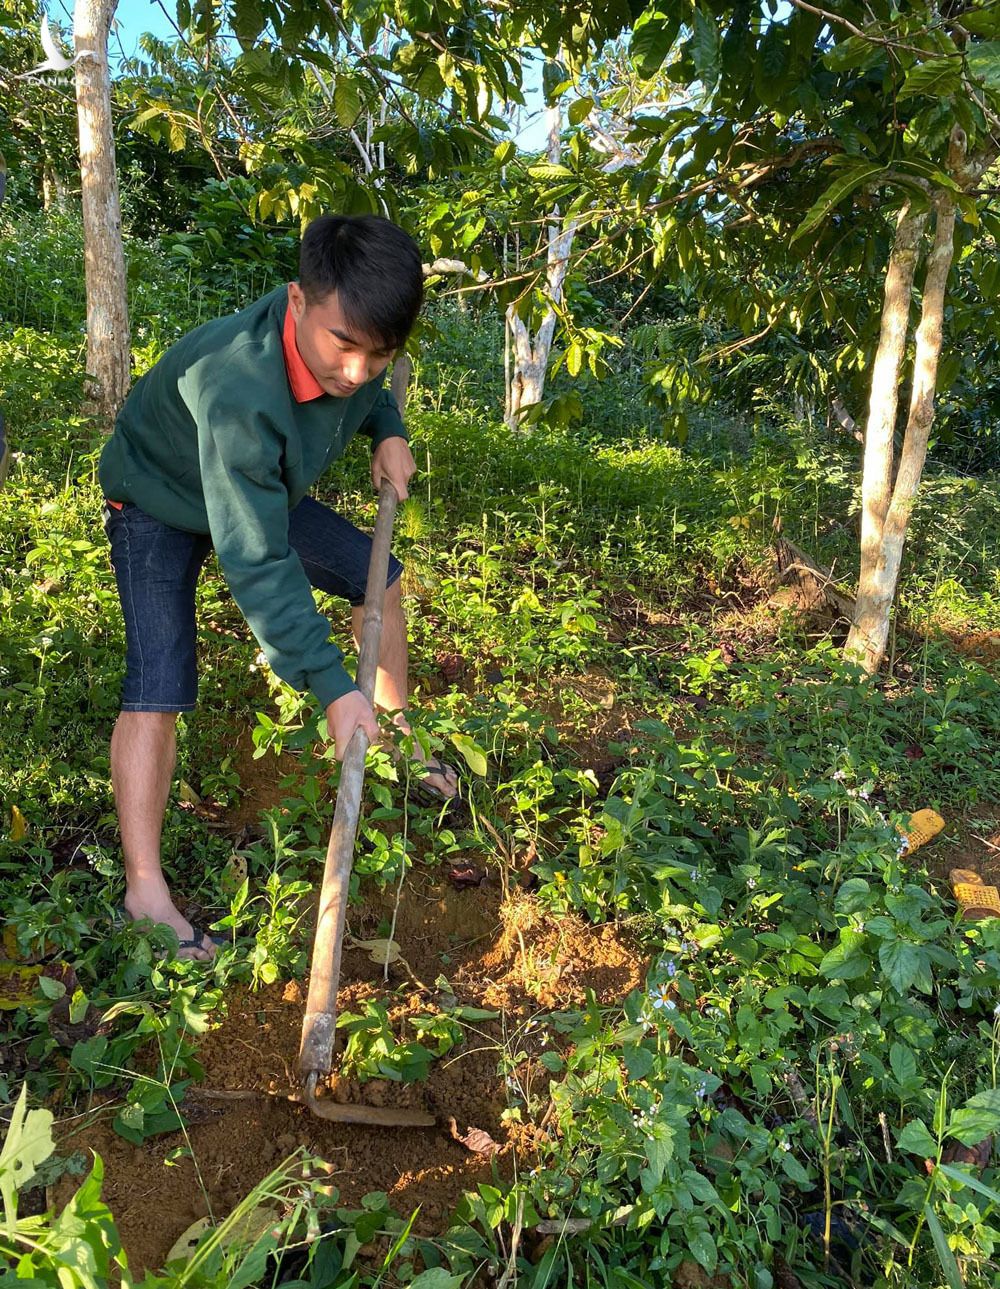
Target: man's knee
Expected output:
[148,720]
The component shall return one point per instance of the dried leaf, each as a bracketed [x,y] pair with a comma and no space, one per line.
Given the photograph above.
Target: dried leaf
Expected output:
[977,1156]
[244,1231]
[476,1140]
[234,874]
[187,794]
[462,875]
[381,952]
[18,825]
[17,985]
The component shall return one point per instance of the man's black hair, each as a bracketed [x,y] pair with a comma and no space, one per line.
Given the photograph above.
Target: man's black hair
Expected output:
[374,267]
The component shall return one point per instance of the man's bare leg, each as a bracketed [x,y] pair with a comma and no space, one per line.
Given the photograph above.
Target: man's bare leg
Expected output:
[392,681]
[143,754]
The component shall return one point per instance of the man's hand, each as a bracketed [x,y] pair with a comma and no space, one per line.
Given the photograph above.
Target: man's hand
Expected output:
[343,717]
[394,461]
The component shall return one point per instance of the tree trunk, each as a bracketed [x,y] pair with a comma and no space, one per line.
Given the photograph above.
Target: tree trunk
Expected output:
[887,506]
[48,186]
[104,257]
[529,358]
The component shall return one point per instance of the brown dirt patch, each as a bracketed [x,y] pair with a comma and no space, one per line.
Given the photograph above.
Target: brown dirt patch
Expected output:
[983,646]
[505,956]
[260,782]
[968,841]
[588,712]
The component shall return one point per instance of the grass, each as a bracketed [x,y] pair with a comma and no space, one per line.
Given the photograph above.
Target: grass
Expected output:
[815,1024]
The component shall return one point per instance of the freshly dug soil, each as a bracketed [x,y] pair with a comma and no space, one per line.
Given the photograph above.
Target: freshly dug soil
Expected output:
[501,956]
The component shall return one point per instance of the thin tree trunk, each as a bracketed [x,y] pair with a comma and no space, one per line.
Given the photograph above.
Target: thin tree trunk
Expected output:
[104,257]
[881,563]
[48,186]
[529,358]
[876,478]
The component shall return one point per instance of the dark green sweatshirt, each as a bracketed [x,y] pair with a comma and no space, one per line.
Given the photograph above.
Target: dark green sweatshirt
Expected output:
[211,440]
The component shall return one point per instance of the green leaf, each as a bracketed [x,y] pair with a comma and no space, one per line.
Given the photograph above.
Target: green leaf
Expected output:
[436,1278]
[346,101]
[977,1119]
[248,22]
[27,1145]
[983,61]
[842,187]
[706,46]
[702,1246]
[580,110]
[554,80]
[652,39]
[903,1062]
[639,1061]
[846,960]
[901,963]
[574,358]
[916,1138]
[937,78]
[52,989]
[475,757]
[793,1169]
[503,152]
[852,895]
[771,70]
[968,1179]
[945,1256]
[856,53]
[982,22]
[547,170]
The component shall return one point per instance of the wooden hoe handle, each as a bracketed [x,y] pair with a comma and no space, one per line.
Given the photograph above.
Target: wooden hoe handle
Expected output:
[320,1022]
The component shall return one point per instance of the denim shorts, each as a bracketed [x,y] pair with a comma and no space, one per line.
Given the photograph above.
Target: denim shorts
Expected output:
[157,569]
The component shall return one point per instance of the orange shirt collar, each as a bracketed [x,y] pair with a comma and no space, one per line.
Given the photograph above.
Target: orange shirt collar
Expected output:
[304,384]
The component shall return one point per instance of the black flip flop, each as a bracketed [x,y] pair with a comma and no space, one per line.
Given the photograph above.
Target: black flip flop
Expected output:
[425,792]
[195,941]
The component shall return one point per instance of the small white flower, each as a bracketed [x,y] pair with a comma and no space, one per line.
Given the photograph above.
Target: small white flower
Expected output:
[785,1146]
[996,1011]
[751,883]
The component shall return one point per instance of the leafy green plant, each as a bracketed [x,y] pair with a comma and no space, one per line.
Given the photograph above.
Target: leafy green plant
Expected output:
[373,1051]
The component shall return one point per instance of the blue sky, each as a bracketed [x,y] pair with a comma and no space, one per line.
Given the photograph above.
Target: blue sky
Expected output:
[135,17]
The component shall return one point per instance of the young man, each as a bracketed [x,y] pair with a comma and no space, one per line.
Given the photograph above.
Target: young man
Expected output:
[216,447]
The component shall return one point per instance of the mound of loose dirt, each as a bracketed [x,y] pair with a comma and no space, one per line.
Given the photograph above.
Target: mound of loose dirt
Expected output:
[501,956]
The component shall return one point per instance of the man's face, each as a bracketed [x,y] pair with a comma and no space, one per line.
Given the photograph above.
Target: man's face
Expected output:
[339,357]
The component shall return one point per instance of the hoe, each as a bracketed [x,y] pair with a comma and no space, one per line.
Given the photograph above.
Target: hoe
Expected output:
[320,1022]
